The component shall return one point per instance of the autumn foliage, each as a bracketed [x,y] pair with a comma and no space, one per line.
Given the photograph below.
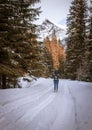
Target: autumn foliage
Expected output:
[56,49]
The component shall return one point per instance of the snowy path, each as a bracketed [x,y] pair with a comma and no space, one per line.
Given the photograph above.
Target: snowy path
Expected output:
[39,108]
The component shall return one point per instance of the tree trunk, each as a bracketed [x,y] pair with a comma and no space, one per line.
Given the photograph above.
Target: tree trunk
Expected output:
[14,82]
[0,82]
[3,81]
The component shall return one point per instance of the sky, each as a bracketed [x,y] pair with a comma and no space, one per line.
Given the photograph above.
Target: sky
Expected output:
[54,10]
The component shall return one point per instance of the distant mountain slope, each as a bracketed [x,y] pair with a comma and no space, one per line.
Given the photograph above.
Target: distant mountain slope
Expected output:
[47,28]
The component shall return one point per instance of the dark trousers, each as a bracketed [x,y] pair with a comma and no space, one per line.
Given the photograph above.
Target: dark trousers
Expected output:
[56,85]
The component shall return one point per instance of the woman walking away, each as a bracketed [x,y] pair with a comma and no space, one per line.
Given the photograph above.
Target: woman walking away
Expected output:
[56,81]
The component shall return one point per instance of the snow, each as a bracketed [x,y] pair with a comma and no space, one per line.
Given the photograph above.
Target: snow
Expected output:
[59,25]
[26,81]
[37,107]
[47,27]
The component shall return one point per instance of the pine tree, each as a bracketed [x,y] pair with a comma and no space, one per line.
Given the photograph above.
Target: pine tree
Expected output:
[62,58]
[16,32]
[6,18]
[36,66]
[48,57]
[86,70]
[76,24]
[54,53]
[44,69]
[89,45]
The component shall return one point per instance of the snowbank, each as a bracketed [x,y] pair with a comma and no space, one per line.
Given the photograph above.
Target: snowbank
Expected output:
[26,81]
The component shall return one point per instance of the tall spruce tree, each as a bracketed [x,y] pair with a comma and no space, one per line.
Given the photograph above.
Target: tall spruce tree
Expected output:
[89,46]
[85,73]
[16,33]
[76,25]
[62,57]
[42,64]
[48,57]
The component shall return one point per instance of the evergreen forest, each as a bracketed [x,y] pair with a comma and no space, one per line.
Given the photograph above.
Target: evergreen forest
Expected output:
[21,53]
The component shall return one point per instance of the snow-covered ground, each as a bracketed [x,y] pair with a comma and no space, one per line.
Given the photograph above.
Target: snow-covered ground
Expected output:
[39,108]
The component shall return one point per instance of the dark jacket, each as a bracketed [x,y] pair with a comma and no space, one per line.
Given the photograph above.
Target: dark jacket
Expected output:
[56,76]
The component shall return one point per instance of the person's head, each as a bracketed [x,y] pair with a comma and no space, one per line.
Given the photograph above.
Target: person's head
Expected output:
[56,72]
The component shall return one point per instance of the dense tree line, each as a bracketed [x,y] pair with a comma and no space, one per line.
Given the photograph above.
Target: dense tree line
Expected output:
[79,41]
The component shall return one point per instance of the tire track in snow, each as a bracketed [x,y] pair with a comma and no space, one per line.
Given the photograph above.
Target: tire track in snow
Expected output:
[22,121]
[25,93]
[75,108]
[34,111]
[22,108]
[19,103]
[30,91]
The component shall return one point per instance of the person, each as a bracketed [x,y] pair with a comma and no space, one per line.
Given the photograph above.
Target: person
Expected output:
[56,81]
